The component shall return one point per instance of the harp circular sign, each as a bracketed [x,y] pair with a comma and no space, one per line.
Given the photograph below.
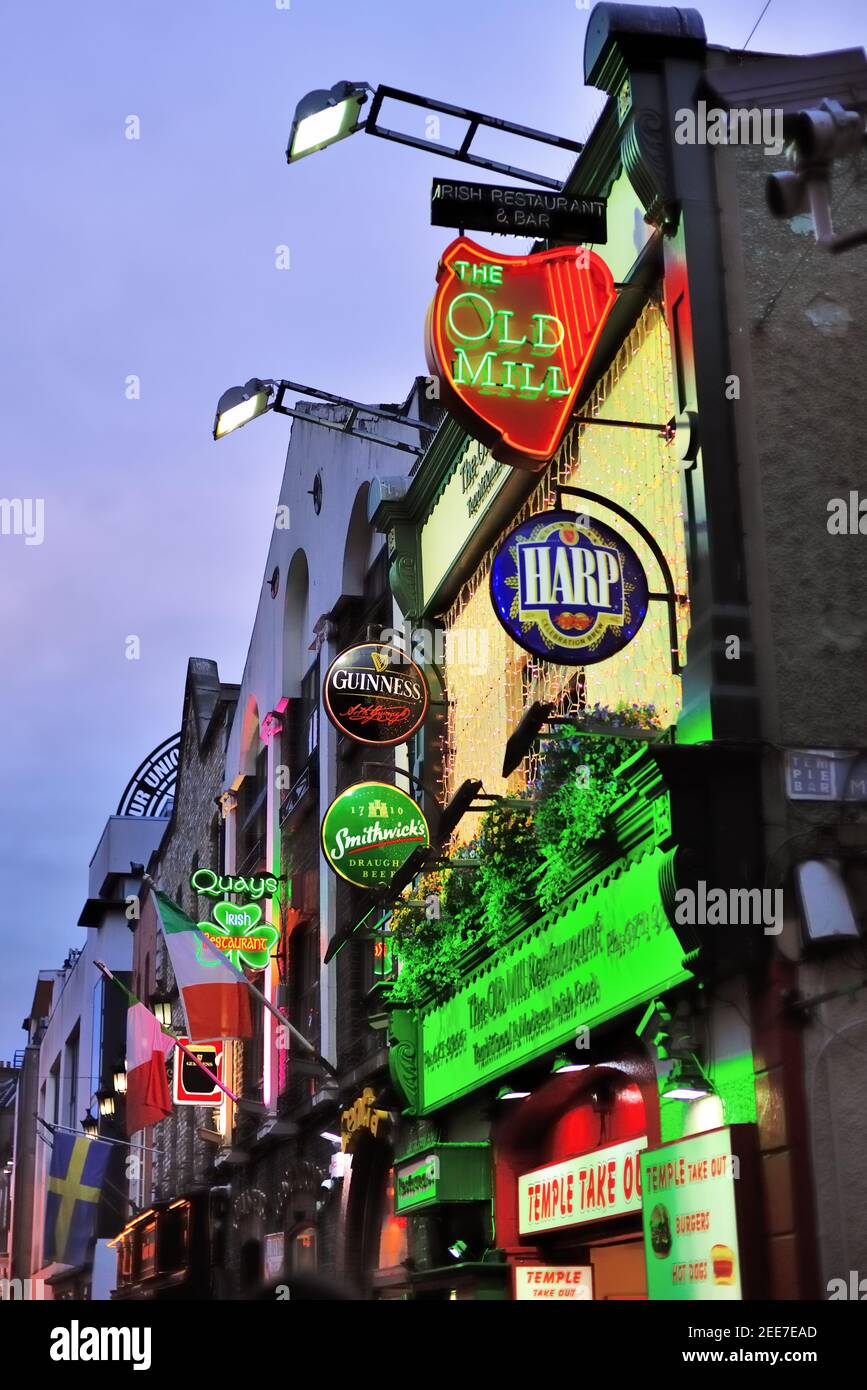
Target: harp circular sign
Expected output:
[375,694]
[568,589]
[510,339]
[370,830]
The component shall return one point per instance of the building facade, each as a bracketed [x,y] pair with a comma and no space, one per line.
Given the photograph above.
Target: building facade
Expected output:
[597,1046]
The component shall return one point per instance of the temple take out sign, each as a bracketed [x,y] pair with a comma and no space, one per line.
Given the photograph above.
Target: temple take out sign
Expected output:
[591,1187]
[605,951]
[570,1282]
[690,1219]
[510,339]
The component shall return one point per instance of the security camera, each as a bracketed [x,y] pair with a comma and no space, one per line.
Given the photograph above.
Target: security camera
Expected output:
[828,132]
[819,136]
[787,194]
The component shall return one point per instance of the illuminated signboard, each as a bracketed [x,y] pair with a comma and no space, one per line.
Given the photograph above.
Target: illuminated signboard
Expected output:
[214,885]
[568,589]
[190,1085]
[596,1185]
[363,1115]
[510,339]
[551,1282]
[442,1173]
[238,930]
[375,694]
[151,789]
[538,212]
[690,1219]
[369,830]
[416,1184]
[600,953]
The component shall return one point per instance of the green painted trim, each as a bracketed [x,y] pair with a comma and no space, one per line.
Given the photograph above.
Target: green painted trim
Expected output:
[429,1148]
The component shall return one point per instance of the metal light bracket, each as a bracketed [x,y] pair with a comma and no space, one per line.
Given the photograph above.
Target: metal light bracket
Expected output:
[670,598]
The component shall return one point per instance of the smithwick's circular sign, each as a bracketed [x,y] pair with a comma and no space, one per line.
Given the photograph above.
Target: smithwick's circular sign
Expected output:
[375,694]
[568,589]
[369,830]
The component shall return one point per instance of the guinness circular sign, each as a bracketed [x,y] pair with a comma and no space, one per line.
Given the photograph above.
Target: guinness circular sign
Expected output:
[375,694]
[369,830]
[568,589]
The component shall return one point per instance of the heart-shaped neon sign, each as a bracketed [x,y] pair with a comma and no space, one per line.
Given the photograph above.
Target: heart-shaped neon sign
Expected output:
[510,339]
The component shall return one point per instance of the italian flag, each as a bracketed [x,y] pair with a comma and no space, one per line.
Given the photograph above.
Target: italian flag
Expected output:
[214,994]
[147,1089]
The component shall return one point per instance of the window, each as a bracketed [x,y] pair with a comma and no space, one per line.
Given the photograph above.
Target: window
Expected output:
[302,1249]
[54,1099]
[174,1237]
[148,1259]
[71,1073]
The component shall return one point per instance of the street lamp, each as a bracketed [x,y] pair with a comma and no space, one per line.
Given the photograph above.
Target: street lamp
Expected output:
[119,1078]
[240,404]
[161,1004]
[106,1103]
[325,116]
[90,1125]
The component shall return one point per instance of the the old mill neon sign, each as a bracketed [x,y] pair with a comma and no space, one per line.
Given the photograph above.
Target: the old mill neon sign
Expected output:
[510,339]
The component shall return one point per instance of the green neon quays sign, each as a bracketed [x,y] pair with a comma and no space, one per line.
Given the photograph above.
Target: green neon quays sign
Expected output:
[210,884]
[611,947]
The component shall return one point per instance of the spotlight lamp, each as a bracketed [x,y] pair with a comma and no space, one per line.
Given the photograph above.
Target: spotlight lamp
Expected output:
[325,116]
[527,731]
[455,810]
[563,1064]
[241,404]
[686,1081]
[509,1093]
[330,114]
[458,1249]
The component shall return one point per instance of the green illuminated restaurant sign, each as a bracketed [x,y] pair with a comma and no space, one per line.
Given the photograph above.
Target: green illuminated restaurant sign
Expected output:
[604,951]
[442,1173]
[690,1219]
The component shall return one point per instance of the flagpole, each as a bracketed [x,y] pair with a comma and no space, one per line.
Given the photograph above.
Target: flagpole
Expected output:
[104,970]
[272,1008]
[326,1066]
[103,1139]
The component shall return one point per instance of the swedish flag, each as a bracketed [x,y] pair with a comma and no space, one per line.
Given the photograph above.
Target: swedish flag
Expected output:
[75,1181]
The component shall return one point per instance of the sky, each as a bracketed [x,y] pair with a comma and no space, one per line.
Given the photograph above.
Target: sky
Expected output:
[141,279]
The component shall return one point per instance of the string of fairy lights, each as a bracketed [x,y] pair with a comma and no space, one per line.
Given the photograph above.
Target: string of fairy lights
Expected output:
[491,686]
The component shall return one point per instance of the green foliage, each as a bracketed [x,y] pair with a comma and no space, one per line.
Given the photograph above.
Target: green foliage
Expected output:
[577,790]
[520,854]
[433,927]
